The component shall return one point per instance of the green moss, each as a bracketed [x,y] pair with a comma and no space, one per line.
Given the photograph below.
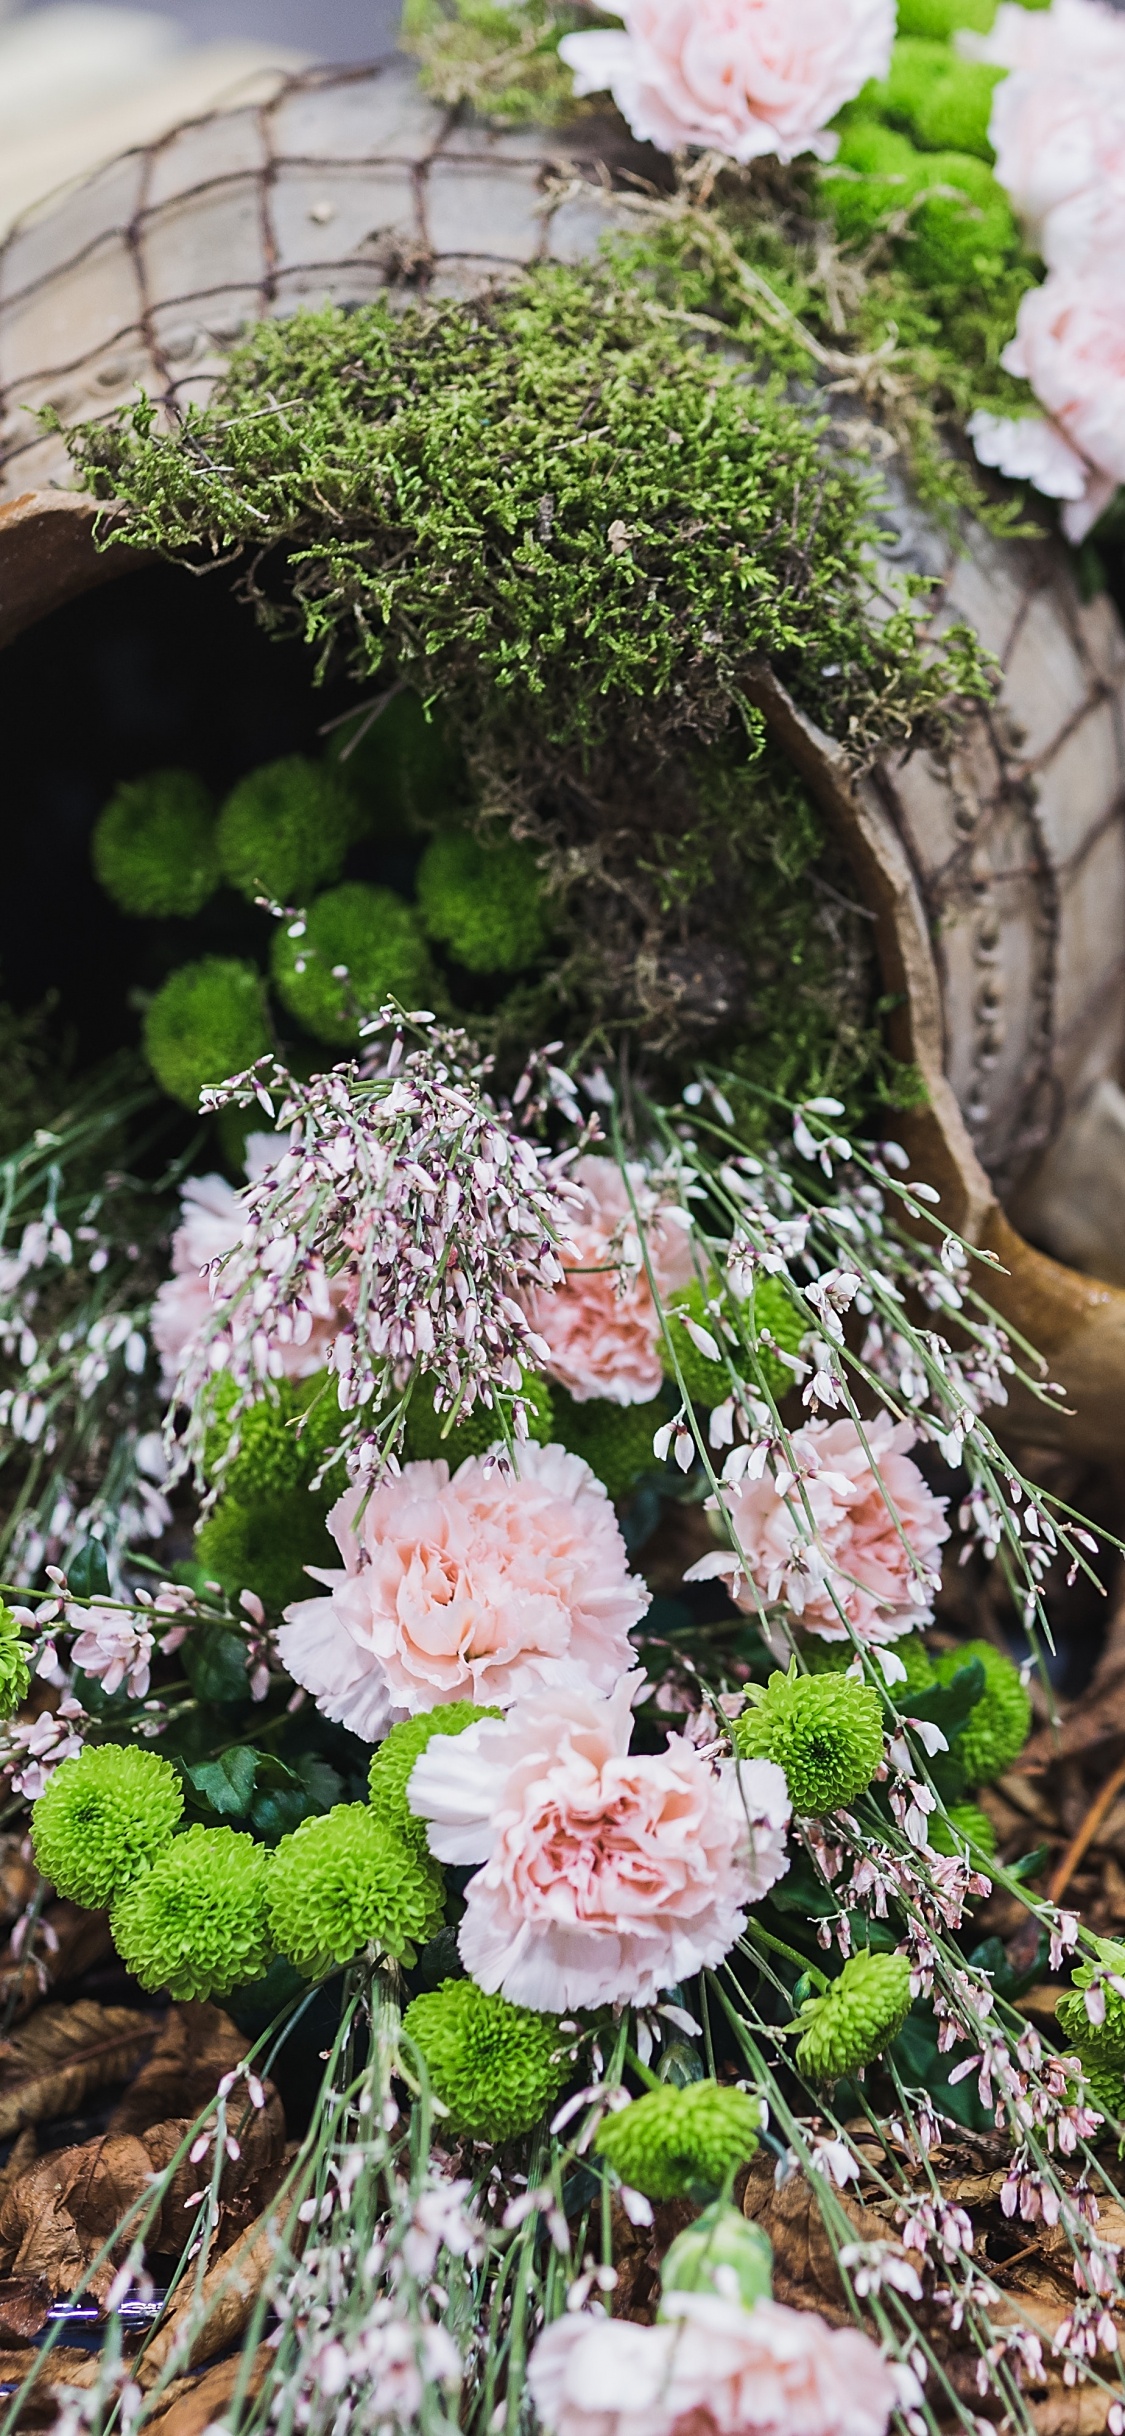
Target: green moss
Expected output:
[284,830]
[949,241]
[265,1547]
[153,848]
[944,102]
[207,1022]
[614,1439]
[496,2067]
[371,933]
[459,536]
[483,903]
[502,62]
[938,19]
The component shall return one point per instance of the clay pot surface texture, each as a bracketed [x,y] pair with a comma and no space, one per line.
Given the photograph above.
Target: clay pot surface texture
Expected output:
[998,887]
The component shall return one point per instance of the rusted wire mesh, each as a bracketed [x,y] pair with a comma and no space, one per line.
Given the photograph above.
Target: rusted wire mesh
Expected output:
[343,183]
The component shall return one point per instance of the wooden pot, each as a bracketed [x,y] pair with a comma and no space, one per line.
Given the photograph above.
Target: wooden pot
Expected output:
[998,891]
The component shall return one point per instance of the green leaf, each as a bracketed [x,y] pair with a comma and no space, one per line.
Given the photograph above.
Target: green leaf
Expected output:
[88,1573]
[215,1665]
[322,1783]
[279,1811]
[227,1783]
[947,1705]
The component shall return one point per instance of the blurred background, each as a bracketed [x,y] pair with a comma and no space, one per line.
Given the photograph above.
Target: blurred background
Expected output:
[83,79]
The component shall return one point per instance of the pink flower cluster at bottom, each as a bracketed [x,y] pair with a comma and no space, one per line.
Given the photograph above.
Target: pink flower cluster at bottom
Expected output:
[710,2368]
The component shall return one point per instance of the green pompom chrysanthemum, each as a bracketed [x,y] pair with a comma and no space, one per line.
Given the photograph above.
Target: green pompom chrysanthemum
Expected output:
[480,1429]
[998,1726]
[483,903]
[207,1022]
[281,1440]
[614,1439]
[393,1763]
[346,1882]
[1100,2044]
[360,946]
[722,2242]
[495,2066]
[15,1674]
[153,847]
[856,2020]
[102,1819]
[945,101]
[265,1547]
[824,1731]
[196,1922]
[963,1820]
[681,2143]
[284,831]
[776,1317]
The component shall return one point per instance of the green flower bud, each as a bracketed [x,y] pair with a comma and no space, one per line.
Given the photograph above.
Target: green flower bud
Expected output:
[824,1731]
[721,2252]
[284,831]
[153,848]
[265,1547]
[394,1760]
[1101,2045]
[346,1882]
[371,932]
[196,1922]
[496,2067]
[775,1316]
[962,1823]
[15,1674]
[102,1819]
[614,1439]
[863,2010]
[485,904]
[681,2143]
[998,1726]
[480,1429]
[207,1022]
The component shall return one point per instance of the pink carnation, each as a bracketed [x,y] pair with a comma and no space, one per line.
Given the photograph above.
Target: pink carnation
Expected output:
[1070,345]
[856,1555]
[710,2368]
[742,77]
[602,1877]
[483,1587]
[602,1328]
[1058,126]
[211,1220]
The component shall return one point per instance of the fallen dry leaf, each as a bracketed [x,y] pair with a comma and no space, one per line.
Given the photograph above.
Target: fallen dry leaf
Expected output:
[56,2060]
[78,1941]
[224,2305]
[805,2272]
[194,2403]
[194,2046]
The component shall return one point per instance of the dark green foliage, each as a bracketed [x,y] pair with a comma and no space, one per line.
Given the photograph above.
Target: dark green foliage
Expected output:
[284,831]
[403,767]
[265,1547]
[483,903]
[371,932]
[614,1439]
[496,2067]
[153,847]
[208,1021]
[485,498]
